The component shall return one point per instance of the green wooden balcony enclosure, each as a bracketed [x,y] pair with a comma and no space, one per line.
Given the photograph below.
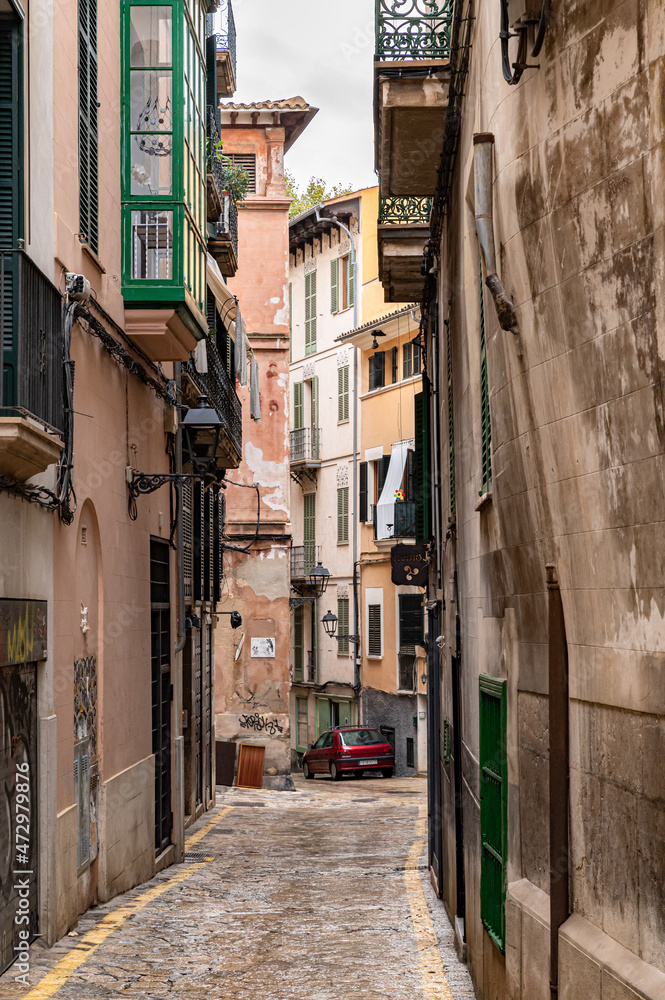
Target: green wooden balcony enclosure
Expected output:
[164,158]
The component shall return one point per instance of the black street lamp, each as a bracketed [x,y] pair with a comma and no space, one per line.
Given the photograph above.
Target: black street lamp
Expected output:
[201,428]
[329,621]
[318,579]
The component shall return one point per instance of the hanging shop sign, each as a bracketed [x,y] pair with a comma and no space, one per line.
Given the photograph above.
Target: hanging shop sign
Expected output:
[409,565]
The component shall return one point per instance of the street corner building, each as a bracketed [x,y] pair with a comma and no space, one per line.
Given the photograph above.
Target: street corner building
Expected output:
[519,150]
[119,420]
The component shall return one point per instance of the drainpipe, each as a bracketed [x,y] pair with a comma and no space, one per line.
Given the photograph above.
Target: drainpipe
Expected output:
[179,645]
[559,772]
[483,151]
[354,543]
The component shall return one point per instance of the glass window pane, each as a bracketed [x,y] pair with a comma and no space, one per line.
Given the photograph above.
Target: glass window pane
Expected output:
[152,245]
[150,36]
[152,169]
[151,101]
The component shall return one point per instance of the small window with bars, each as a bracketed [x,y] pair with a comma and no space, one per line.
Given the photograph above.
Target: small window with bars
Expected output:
[343,626]
[493,807]
[246,162]
[374,631]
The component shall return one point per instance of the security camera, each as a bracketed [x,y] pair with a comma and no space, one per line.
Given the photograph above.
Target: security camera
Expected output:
[440,641]
[236,619]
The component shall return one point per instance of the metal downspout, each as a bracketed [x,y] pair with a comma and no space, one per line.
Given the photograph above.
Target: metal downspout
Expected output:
[559,772]
[179,740]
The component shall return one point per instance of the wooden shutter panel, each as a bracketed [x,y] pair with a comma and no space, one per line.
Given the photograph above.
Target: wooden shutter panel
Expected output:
[351,298]
[422,476]
[493,807]
[377,370]
[88,127]
[382,471]
[198,542]
[343,625]
[310,312]
[342,515]
[451,420]
[362,498]
[298,644]
[343,394]
[309,518]
[298,392]
[187,541]
[411,620]
[315,401]
[217,532]
[374,639]
[334,285]
[395,365]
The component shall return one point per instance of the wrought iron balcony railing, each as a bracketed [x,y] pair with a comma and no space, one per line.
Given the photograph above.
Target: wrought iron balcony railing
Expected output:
[413,29]
[404,520]
[303,560]
[228,223]
[306,445]
[226,38]
[214,166]
[31,341]
[216,384]
[404,211]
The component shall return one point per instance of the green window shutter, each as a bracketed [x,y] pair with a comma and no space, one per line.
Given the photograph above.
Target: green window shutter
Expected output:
[309,519]
[411,620]
[422,473]
[334,285]
[315,401]
[11,193]
[342,515]
[343,625]
[342,394]
[298,415]
[310,313]
[362,498]
[351,296]
[299,644]
[322,715]
[451,420]
[493,807]
[485,425]
[88,123]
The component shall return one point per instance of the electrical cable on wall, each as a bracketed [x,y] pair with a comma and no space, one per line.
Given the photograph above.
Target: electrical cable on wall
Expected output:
[246,486]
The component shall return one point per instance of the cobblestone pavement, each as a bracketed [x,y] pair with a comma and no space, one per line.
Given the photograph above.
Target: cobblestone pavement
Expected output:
[318,894]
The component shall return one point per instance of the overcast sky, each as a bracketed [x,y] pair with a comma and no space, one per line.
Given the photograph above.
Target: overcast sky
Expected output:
[321,51]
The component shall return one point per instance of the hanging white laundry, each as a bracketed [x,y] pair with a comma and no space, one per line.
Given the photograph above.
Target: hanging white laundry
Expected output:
[385,508]
[201,357]
[254,398]
[240,355]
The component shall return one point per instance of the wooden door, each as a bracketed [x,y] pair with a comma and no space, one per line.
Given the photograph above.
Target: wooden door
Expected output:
[250,766]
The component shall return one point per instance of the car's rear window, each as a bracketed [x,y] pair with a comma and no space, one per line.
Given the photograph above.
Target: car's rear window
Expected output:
[362,738]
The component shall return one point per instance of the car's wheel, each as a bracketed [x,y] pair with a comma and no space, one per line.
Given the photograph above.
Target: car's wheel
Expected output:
[334,773]
[387,772]
[306,771]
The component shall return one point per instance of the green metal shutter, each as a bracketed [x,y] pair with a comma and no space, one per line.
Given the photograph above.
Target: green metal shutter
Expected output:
[88,127]
[422,473]
[298,414]
[334,285]
[310,313]
[493,807]
[351,297]
[485,425]
[411,620]
[343,625]
[362,499]
[315,401]
[342,394]
[11,195]
[299,644]
[451,420]
[342,515]
[309,530]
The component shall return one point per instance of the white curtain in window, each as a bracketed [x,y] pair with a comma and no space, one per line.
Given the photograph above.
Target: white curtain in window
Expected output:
[385,509]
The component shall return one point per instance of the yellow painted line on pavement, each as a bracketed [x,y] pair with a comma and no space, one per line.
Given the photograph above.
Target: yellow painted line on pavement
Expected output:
[435,984]
[54,980]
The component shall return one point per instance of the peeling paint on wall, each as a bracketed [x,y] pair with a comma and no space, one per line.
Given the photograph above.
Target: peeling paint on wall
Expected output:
[268,475]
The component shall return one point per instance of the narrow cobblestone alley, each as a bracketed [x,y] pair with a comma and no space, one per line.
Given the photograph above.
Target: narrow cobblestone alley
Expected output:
[322,893]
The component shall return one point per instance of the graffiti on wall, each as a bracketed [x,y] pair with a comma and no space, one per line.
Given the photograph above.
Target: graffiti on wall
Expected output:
[86,765]
[260,724]
[22,631]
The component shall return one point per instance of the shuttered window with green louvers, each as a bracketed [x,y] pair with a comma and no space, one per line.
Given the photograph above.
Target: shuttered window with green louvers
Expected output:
[343,626]
[422,465]
[11,193]
[493,807]
[343,515]
[351,296]
[334,285]
[298,412]
[343,394]
[88,124]
[310,313]
[485,425]
[299,644]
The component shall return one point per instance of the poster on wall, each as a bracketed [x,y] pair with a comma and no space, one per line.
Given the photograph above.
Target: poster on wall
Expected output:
[263,648]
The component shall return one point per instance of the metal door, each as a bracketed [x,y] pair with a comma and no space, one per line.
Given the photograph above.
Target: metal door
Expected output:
[18,807]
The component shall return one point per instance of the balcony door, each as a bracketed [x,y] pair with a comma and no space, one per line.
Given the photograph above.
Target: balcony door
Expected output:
[309,530]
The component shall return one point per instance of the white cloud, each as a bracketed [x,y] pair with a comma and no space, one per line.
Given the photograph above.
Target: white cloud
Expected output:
[323,52]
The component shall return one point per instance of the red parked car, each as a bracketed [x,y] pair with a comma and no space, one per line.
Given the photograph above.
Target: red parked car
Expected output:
[349,750]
